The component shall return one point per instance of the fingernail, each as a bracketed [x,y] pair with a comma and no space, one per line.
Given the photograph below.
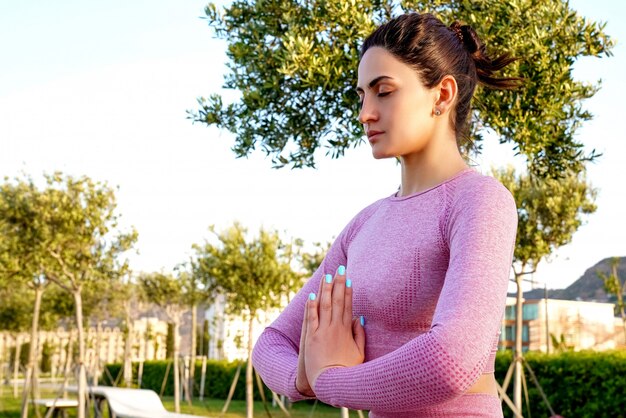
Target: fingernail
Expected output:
[348,283]
[312,296]
[341,270]
[329,278]
[362,321]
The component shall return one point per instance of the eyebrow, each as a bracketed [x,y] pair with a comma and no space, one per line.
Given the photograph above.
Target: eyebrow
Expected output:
[374,82]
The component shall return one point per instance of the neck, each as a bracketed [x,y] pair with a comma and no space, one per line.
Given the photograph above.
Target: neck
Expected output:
[430,166]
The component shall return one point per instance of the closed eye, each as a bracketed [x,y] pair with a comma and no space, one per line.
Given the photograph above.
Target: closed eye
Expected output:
[378,95]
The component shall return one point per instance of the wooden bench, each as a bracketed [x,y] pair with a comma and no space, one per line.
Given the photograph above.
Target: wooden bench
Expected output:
[59,406]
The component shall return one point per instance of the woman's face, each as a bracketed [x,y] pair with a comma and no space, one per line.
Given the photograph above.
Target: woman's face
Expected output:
[394,102]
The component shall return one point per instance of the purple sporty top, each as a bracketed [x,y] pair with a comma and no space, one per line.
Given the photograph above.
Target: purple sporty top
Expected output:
[430,275]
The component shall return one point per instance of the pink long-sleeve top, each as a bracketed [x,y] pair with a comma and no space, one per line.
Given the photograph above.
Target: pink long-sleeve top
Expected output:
[430,274]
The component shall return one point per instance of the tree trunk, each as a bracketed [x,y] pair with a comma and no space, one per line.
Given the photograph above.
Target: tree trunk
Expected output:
[203,378]
[82,377]
[192,350]
[249,399]
[518,354]
[96,373]
[30,377]
[623,314]
[16,363]
[176,368]
[128,365]
[3,349]
[192,354]
[68,359]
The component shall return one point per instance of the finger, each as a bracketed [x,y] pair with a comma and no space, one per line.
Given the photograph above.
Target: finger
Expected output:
[312,318]
[325,301]
[359,335]
[347,307]
[338,296]
[320,288]
[304,325]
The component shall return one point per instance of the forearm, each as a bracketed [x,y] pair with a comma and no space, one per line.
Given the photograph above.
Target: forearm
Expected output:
[416,375]
[275,358]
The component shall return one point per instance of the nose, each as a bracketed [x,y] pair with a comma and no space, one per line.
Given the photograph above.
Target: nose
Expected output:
[368,112]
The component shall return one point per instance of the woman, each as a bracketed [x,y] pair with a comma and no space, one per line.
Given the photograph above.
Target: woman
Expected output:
[425,270]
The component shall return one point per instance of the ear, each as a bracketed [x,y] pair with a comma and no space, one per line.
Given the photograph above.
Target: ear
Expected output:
[446,94]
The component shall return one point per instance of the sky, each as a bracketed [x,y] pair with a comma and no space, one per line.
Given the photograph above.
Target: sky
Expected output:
[102,88]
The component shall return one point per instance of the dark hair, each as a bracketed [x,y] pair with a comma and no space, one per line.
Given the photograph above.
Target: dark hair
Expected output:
[435,50]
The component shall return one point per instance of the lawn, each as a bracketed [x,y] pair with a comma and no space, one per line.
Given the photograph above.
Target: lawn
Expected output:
[10,408]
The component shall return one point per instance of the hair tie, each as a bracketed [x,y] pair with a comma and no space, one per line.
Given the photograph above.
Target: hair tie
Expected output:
[456,27]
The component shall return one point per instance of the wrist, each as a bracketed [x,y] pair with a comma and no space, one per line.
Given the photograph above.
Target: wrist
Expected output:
[304,392]
[314,380]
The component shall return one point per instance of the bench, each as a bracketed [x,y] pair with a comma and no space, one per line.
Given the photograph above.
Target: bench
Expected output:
[131,403]
[59,406]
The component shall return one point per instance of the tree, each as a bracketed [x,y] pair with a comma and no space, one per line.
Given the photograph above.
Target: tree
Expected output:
[129,295]
[71,226]
[549,213]
[15,319]
[20,262]
[614,286]
[295,65]
[252,276]
[166,291]
[194,293]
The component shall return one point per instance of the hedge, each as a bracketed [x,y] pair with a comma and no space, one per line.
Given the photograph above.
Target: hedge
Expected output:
[219,377]
[577,384]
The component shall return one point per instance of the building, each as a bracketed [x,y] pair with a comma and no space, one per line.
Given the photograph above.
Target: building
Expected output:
[579,324]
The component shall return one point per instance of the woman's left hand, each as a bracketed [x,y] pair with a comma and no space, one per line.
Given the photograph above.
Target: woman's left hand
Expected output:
[333,338]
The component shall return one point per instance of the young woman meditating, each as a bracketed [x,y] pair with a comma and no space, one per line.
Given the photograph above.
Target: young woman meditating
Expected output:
[403,316]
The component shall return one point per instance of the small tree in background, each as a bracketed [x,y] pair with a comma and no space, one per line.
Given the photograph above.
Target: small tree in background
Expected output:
[613,285]
[166,291]
[22,255]
[252,275]
[549,211]
[194,293]
[69,227]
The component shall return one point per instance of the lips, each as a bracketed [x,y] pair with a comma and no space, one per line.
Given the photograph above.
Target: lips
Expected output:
[372,134]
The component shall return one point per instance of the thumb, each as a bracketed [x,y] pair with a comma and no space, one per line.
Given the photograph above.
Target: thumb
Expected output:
[359,334]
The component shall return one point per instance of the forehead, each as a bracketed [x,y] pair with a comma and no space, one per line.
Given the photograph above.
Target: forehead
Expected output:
[378,61]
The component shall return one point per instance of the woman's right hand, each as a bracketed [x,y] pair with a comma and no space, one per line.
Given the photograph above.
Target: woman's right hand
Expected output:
[302,383]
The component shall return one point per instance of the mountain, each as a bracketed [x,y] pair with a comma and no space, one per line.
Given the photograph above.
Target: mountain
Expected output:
[589,287]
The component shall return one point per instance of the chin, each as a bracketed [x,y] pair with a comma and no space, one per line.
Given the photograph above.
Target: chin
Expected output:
[380,155]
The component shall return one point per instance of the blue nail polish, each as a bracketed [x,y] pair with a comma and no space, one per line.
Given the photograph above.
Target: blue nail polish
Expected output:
[329,278]
[362,321]
[348,283]
[312,296]
[341,270]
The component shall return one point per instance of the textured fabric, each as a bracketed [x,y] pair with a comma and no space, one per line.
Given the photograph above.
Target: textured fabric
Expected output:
[430,274]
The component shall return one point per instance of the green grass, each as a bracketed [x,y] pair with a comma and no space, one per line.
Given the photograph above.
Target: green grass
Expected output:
[10,408]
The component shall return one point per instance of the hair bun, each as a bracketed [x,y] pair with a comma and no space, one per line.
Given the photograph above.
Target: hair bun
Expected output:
[467,36]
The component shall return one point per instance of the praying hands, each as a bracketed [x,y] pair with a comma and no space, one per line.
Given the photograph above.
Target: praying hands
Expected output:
[330,336]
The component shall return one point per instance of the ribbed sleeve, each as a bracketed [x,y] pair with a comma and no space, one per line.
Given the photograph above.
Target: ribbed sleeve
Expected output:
[275,354]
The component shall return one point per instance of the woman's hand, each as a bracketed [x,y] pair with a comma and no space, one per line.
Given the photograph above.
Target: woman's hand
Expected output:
[302,383]
[333,338]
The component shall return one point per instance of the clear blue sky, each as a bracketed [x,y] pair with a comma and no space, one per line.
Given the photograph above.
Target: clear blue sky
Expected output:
[101,88]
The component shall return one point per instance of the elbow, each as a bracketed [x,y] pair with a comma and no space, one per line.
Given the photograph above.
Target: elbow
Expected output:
[257,351]
[456,378]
